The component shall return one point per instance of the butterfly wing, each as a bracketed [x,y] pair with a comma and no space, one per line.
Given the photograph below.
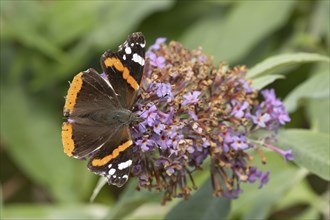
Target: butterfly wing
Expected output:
[88,93]
[124,68]
[114,160]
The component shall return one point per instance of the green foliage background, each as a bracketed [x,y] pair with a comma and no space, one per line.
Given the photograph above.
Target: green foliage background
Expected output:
[45,43]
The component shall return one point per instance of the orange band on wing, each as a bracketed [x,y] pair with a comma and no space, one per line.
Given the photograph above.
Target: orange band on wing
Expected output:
[115,62]
[114,154]
[73,92]
[67,140]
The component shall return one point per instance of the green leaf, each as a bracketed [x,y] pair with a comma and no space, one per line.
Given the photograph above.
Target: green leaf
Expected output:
[111,30]
[231,36]
[32,211]
[310,150]
[301,193]
[79,21]
[201,205]
[319,21]
[263,204]
[281,62]
[131,199]
[319,115]
[30,18]
[151,211]
[316,87]
[33,141]
[261,82]
[256,203]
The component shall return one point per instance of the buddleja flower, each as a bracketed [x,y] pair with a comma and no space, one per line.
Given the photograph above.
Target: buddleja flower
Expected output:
[193,110]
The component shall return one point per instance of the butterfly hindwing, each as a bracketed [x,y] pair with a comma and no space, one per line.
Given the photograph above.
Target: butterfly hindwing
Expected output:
[114,160]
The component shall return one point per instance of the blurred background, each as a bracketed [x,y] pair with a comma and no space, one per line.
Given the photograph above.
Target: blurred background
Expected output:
[45,43]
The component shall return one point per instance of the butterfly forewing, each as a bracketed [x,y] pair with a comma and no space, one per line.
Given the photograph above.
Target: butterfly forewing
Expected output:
[128,63]
[89,93]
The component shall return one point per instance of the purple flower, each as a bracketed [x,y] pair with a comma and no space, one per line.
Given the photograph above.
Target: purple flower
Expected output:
[232,194]
[227,136]
[173,131]
[168,118]
[158,127]
[199,157]
[225,147]
[163,141]
[253,175]
[176,140]
[141,128]
[170,171]
[144,143]
[281,115]
[238,109]
[287,154]
[275,108]
[191,149]
[157,61]
[239,142]
[264,178]
[246,86]
[206,143]
[164,90]
[261,119]
[193,115]
[150,114]
[270,97]
[157,44]
[191,98]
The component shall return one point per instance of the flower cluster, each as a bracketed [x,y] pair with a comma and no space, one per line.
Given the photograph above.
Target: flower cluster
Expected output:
[193,110]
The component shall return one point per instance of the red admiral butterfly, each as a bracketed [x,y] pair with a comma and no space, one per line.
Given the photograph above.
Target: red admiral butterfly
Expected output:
[98,109]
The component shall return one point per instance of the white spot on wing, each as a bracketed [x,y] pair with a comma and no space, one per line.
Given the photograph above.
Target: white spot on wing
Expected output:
[124,165]
[124,57]
[143,45]
[138,59]
[128,50]
[125,176]
[111,171]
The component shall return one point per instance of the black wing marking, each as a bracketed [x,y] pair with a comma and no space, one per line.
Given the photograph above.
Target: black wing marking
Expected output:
[124,68]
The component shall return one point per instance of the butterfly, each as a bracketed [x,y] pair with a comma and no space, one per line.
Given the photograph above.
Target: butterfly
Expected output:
[98,111]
